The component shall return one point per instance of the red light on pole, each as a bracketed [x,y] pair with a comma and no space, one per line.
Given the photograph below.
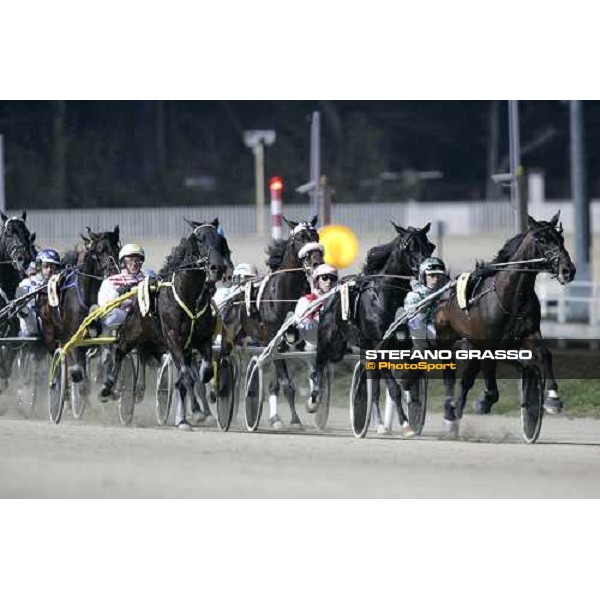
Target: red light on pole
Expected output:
[276,187]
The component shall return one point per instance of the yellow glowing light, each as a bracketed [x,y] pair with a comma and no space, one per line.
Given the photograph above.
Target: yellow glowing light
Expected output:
[341,245]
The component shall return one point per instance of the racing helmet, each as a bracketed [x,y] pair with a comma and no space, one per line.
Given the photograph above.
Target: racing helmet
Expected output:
[244,270]
[132,250]
[48,255]
[431,266]
[324,269]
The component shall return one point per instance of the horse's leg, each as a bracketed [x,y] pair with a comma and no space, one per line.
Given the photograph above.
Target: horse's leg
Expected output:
[206,374]
[274,419]
[289,390]
[113,370]
[490,395]
[468,380]
[450,415]
[395,391]
[542,356]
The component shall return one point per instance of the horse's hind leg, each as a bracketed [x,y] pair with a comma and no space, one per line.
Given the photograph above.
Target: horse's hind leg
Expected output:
[289,390]
[490,395]
[542,355]
[395,392]
[468,379]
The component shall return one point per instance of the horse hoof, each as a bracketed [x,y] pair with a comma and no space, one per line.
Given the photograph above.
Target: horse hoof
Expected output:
[76,374]
[184,426]
[480,407]
[105,393]
[383,430]
[553,406]
[297,425]
[407,431]
[312,404]
[198,417]
[276,423]
[451,426]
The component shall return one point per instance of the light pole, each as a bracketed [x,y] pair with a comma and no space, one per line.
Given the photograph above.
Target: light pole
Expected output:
[256,140]
[2,196]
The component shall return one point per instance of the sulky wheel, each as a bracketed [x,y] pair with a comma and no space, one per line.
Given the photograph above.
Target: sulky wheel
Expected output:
[164,389]
[416,409]
[532,403]
[57,387]
[225,389]
[322,413]
[254,392]
[361,400]
[125,390]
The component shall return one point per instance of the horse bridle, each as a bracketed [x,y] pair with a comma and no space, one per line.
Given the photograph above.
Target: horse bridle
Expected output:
[203,260]
[20,246]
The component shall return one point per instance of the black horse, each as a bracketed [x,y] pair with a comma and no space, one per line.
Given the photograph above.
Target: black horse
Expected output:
[78,292]
[285,285]
[17,250]
[182,318]
[379,291]
[505,310]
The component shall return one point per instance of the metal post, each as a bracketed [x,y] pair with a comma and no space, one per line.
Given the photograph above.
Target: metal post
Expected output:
[581,206]
[2,196]
[518,199]
[259,173]
[315,162]
[325,214]
[276,188]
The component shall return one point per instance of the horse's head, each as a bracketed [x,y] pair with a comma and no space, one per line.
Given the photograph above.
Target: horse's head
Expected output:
[410,249]
[549,244]
[212,249]
[17,241]
[102,251]
[301,234]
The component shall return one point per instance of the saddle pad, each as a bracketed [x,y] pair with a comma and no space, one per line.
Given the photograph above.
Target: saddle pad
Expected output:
[461,290]
[53,290]
[143,296]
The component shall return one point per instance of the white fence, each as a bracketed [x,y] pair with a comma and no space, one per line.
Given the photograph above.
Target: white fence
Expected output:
[459,218]
[580,300]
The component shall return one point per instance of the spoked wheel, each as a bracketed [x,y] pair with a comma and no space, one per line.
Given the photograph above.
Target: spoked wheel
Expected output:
[140,380]
[322,413]
[164,390]
[532,403]
[57,388]
[416,409]
[125,390]
[254,394]
[28,370]
[225,389]
[361,400]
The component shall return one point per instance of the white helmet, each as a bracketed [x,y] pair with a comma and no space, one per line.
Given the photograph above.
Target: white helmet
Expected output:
[324,269]
[245,270]
[308,248]
[132,250]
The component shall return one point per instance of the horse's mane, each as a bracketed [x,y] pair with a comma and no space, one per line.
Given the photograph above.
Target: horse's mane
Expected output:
[175,258]
[275,250]
[377,257]
[504,255]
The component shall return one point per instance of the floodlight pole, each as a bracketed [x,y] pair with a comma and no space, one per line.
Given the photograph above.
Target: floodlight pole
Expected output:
[256,140]
[2,196]
[518,200]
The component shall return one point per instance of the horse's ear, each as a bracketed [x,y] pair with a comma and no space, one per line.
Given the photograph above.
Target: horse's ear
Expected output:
[398,228]
[531,222]
[314,220]
[24,215]
[117,231]
[215,223]
[32,238]
[426,229]
[290,224]
[554,219]
[4,217]
[86,240]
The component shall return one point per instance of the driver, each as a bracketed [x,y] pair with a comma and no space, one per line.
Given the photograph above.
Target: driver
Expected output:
[131,259]
[243,273]
[47,264]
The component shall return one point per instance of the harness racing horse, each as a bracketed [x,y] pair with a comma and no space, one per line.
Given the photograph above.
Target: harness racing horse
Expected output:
[380,290]
[182,318]
[505,312]
[276,297]
[77,293]
[17,250]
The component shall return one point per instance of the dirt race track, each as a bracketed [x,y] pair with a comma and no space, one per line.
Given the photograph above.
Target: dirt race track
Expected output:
[98,459]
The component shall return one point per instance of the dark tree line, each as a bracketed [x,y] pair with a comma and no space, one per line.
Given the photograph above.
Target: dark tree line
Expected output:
[144,153]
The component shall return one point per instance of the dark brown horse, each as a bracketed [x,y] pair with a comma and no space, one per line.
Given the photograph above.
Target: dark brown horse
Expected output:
[287,282]
[505,311]
[182,320]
